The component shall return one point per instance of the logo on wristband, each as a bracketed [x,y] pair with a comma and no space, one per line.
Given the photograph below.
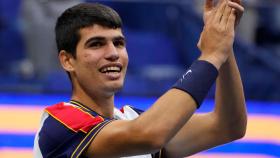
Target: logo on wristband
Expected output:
[184,75]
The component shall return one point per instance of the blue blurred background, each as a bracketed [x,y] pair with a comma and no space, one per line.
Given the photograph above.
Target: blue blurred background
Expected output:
[162,37]
[161,42]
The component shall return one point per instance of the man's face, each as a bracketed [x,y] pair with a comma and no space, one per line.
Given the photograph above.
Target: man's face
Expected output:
[101,59]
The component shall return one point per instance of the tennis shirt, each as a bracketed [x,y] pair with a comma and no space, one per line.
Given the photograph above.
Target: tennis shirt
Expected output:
[68,128]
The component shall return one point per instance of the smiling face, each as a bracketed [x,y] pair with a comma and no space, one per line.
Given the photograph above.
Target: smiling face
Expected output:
[101,61]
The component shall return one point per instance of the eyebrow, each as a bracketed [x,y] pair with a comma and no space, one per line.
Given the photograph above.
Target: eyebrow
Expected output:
[101,38]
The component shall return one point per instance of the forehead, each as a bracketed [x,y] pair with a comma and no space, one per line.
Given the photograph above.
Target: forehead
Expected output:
[99,31]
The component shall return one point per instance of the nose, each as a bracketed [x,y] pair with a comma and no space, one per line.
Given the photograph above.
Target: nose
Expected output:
[112,53]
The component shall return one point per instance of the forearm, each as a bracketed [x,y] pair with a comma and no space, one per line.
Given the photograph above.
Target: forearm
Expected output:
[149,132]
[230,106]
[168,114]
[193,87]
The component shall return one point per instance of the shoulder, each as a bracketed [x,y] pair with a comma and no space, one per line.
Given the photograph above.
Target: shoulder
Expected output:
[66,130]
[73,117]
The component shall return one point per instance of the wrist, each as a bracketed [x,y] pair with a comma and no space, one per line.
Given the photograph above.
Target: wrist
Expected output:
[216,60]
[197,80]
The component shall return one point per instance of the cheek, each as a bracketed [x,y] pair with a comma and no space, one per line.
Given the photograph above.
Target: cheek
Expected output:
[90,61]
[125,62]
[125,58]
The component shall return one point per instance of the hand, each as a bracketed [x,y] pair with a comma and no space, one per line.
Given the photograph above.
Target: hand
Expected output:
[209,7]
[217,37]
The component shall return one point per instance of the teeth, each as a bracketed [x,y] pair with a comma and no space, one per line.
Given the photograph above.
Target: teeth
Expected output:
[112,68]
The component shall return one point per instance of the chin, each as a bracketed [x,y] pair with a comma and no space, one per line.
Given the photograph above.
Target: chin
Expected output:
[115,87]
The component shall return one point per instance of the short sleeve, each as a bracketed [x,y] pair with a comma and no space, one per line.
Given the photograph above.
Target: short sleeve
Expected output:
[68,131]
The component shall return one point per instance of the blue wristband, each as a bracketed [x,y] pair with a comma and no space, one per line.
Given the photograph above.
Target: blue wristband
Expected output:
[198,80]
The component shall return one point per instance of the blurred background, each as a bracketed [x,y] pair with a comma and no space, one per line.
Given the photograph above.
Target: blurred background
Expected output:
[161,42]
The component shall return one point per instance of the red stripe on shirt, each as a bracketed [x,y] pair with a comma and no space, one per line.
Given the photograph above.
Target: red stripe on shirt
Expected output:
[73,117]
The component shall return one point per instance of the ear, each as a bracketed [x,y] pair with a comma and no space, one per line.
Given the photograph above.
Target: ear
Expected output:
[66,60]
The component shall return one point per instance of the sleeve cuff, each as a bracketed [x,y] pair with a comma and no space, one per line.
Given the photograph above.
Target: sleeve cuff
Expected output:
[88,139]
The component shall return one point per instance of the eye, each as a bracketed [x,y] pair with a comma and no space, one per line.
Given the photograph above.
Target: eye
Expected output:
[96,44]
[119,43]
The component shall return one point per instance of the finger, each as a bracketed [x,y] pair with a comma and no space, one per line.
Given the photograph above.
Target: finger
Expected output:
[238,7]
[231,20]
[237,1]
[238,11]
[209,5]
[219,11]
[226,14]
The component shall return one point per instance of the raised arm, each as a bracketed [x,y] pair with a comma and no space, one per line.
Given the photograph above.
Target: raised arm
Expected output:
[227,122]
[158,125]
[230,107]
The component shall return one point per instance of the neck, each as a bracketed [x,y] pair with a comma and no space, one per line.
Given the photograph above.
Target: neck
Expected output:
[102,104]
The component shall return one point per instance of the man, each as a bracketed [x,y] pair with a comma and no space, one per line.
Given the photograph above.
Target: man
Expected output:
[92,50]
